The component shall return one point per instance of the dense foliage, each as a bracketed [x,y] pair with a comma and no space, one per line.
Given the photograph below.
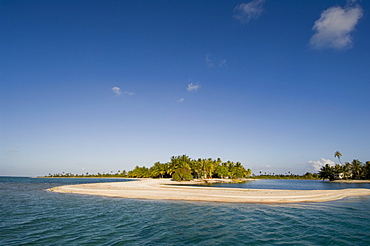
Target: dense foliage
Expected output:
[184,168]
[354,170]
[178,168]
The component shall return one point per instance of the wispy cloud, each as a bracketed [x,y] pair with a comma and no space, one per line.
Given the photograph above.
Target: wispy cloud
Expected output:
[193,87]
[117,91]
[211,62]
[316,165]
[181,100]
[245,12]
[10,151]
[333,29]
[222,63]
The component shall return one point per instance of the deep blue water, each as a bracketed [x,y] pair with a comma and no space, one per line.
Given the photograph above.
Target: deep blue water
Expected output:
[32,216]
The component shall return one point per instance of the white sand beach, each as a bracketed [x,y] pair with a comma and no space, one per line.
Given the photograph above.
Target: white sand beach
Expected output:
[166,189]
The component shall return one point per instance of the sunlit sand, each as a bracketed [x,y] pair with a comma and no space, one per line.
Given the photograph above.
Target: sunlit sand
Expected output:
[165,189]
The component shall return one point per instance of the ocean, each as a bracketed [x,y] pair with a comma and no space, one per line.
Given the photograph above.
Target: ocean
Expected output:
[30,215]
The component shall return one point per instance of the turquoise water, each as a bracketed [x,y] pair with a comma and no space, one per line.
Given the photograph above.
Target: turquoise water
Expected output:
[289,184]
[32,216]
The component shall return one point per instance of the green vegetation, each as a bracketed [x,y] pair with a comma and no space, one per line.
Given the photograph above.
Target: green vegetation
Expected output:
[287,176]
[178,168]
[118,174]
[349,171]
[182,174]
[337,154]
[184,168]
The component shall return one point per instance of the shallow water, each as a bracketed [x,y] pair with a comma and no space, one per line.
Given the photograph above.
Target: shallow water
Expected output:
[290,184]
[32,216]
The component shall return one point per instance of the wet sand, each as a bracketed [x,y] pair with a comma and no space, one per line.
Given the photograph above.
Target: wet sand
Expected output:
[165,189]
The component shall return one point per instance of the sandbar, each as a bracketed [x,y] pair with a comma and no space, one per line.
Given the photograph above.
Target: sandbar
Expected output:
[166,189]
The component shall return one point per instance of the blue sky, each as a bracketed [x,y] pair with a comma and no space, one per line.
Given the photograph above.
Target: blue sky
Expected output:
[100,86]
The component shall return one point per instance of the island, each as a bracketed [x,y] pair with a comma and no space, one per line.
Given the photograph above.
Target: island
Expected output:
[165,181]
[167,189]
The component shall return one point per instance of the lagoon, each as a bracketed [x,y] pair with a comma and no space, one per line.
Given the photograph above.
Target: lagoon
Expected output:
[32,215]
[289,184]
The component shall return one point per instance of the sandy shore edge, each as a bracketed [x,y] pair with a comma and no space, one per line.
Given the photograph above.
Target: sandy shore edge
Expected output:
[351,181]
[166,189]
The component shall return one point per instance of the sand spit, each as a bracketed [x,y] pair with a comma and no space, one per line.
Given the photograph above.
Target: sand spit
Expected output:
[165,189]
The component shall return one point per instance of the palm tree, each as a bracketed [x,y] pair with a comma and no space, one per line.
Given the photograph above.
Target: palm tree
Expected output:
[356,169]
[326,172]
[366,169]
[196,167]
[222,171]
[338,169]
[337,154]
[158,170]
[347,170]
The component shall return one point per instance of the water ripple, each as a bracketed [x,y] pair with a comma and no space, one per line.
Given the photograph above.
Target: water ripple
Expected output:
[31,216]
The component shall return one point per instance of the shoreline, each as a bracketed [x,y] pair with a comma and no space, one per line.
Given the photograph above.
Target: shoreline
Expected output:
[217,180]
[75,177]
[166,189]
[353,181]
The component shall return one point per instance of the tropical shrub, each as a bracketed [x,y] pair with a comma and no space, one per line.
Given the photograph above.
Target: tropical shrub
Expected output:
[182,174]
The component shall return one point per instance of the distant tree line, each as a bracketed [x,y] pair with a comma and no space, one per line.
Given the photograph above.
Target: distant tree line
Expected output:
[354,170]
[288,175]
[118,174]
[184,168]
[179,168]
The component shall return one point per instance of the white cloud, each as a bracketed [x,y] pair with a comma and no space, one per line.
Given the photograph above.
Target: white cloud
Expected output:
[193,87]
[248,11]
[116,90]
[209,62]
[181,100]
[316,165]
[334,28]
[222,63]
